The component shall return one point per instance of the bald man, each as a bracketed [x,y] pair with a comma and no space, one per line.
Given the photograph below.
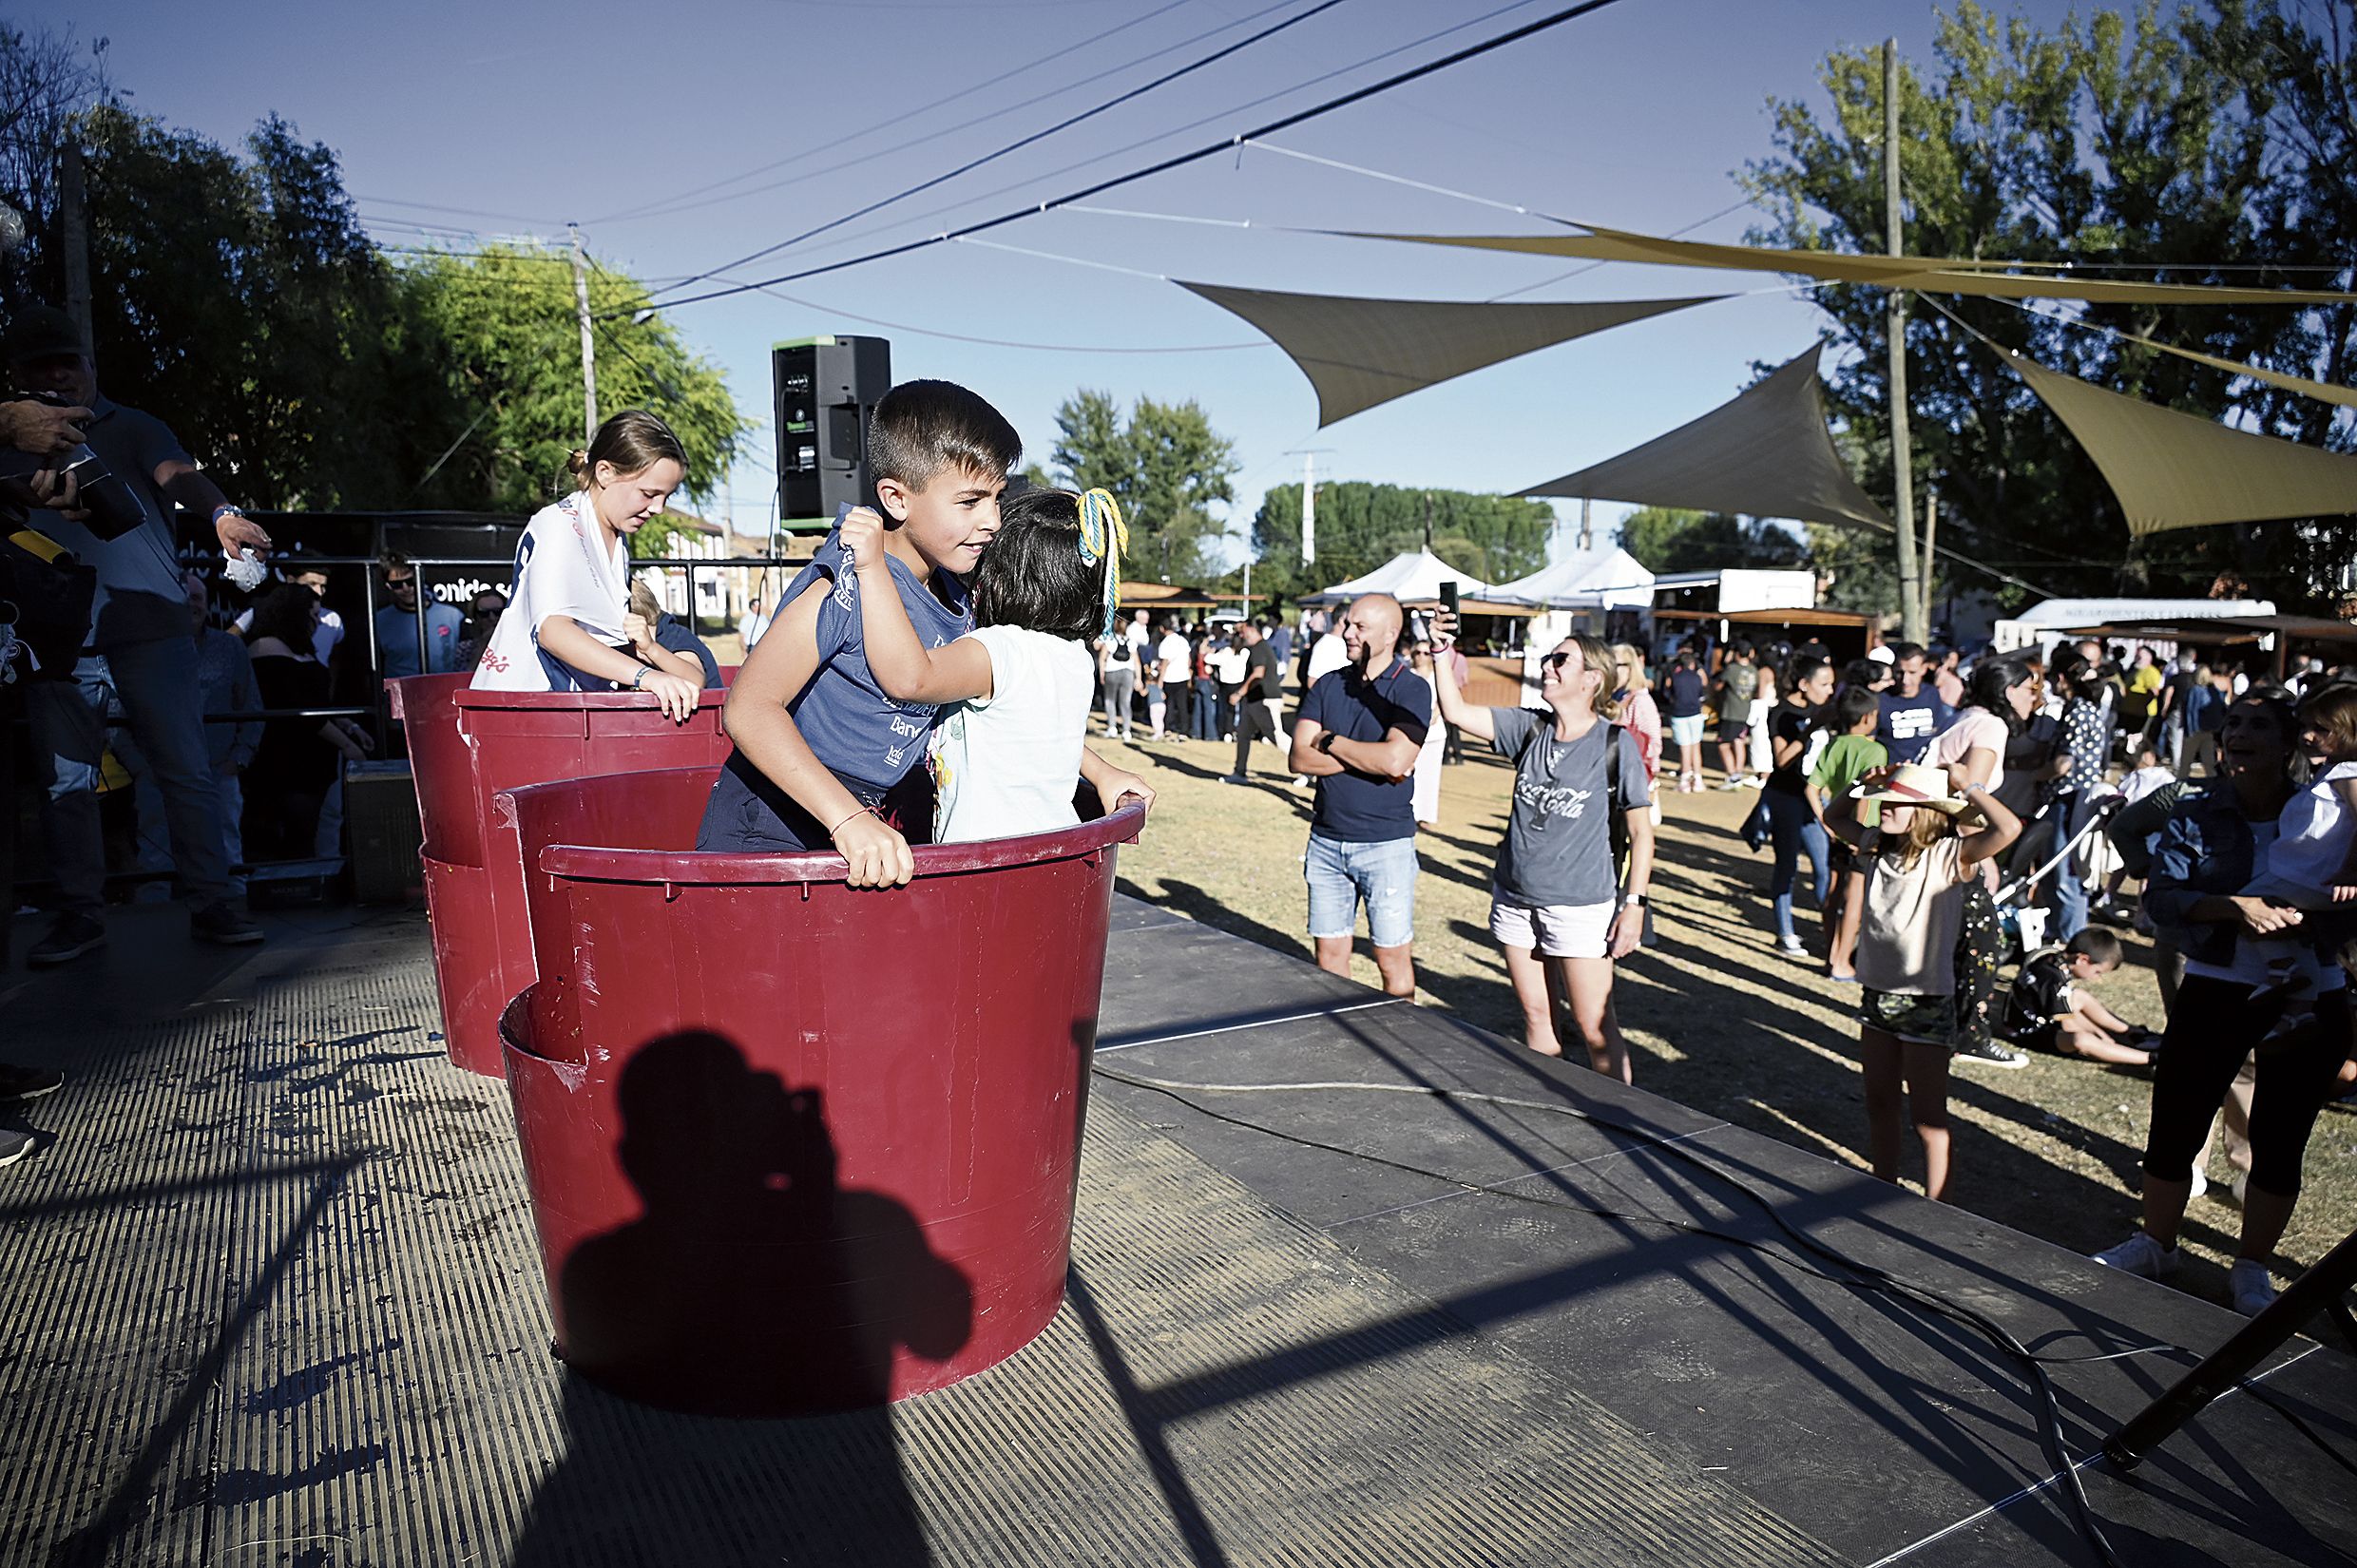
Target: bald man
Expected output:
[1357,734]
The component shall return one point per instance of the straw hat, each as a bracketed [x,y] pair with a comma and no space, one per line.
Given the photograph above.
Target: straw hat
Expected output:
[1913,784]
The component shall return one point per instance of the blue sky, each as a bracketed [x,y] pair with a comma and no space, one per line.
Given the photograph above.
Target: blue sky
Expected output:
[494,121]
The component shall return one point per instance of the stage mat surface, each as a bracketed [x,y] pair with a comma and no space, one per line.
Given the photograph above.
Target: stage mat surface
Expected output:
[272,1298]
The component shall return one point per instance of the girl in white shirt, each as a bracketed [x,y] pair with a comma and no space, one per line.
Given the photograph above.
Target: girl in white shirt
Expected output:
[569,626]
[1006,756]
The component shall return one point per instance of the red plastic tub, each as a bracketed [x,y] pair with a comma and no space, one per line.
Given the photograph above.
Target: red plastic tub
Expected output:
[464,747]
[795,1147]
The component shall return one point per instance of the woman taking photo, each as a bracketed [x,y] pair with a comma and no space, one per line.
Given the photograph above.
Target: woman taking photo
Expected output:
[1557,902]
[569,627]
[2210,849]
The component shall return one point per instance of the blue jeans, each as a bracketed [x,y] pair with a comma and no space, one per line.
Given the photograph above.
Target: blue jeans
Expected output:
[2070,893]
[155,682]
[1340,873]
[1796,830]
[1206,716]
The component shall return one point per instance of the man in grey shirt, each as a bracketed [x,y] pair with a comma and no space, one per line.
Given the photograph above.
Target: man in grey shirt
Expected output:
[139,649]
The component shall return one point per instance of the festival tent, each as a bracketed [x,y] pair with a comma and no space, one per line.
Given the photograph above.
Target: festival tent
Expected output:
[1359,352]
[1413,578]
[1604,577]
[1764,454]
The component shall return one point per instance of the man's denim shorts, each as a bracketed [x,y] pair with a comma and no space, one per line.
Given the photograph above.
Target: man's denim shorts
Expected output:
[1384,875]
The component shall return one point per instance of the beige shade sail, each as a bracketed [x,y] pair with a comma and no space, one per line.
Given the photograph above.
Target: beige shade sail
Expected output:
[1764,454]
[2178,471]
[2323,391]
[1359,352]
[1933,274]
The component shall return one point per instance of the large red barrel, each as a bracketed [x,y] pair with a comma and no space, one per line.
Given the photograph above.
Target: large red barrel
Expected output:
[793,1146]
[464,747]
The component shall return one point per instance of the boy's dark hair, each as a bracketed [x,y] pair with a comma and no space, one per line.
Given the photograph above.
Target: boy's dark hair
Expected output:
[1902,652]
[1687,659]
[2096,945]
[1032,575]
[1856,703]
[1861,674]
[922,428]
[2334,711]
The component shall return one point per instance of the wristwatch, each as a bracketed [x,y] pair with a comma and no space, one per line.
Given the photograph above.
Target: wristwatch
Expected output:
[1634,901]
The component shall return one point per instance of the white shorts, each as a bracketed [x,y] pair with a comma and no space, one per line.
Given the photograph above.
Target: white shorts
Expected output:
[1687,731]
[1555,930]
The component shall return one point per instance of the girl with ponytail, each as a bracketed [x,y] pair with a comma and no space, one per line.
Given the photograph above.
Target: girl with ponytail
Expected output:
[569,627]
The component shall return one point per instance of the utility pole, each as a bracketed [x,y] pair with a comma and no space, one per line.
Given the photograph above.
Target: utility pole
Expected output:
[1587,524]
[74,232]
[1901,453]
[1309,502]
[588,340]
[1931,562]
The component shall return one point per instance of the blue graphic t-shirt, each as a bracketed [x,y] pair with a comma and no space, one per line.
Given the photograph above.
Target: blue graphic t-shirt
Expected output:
[867,740]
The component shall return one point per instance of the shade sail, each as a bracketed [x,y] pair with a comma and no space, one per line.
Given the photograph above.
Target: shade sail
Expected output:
[1764,454]
[1413,578]
[1933,274]
[2180,471]
[1359,352]
[1606,578]
[2323,392]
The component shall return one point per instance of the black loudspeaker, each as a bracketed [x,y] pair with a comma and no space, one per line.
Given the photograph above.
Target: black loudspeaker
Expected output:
[827,387]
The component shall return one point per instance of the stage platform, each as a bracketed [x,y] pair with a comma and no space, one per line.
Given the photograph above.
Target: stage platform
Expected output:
[271,1298]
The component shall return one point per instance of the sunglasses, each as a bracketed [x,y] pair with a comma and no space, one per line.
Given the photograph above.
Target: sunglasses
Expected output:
[1557,660]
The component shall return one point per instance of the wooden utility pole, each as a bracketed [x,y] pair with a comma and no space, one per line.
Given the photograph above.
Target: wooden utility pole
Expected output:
[588,340]
[1930,566]
[74,240]
[1902,453]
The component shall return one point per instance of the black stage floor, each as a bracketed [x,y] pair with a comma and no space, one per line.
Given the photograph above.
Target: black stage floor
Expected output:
[272,1297]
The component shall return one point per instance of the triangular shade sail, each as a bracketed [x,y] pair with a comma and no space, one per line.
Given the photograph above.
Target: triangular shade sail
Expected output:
[1358,353]
[1933,274]
[2178,471]
[1764,454]
[1413,578]
[2323,392]
[1606,578]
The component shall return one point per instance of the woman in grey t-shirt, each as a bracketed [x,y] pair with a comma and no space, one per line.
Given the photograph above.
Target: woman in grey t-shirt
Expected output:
[1557,906]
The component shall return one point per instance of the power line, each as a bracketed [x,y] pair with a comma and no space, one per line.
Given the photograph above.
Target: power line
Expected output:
[1065,124]
[684,201]
[1358,95]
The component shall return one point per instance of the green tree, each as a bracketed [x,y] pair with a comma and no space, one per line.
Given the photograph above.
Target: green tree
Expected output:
[1165,465]
[1665,539]
[502,326]
[2142,146]
[1496,538]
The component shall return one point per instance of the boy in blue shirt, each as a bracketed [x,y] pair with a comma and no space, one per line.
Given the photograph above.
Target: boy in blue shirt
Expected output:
[818,744]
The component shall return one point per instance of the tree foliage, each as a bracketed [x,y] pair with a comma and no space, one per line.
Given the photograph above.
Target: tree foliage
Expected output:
[234,296]
[1360,526]
[1665,539]
[1164,464]
[2160,145]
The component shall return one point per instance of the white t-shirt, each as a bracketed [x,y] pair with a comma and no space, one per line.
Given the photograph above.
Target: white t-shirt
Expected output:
[2313,836]
[1177,658]
[559,569]
[749,630]
[1974,730]
[1327,655]
[1008,763]
[1230,664]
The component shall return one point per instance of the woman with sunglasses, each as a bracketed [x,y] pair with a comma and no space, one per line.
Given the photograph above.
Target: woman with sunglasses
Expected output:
[1558,904]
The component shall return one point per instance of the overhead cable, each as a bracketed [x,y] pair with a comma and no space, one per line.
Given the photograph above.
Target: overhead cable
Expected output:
[1356,95]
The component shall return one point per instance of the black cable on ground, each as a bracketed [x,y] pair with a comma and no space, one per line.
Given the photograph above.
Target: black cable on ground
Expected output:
[1920,1299]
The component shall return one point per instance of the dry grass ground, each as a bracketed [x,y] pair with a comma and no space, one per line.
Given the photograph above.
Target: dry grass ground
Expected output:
[1715,1018]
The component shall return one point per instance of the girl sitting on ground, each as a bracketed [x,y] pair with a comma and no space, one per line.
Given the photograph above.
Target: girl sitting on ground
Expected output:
[1006,759]
[1916,866]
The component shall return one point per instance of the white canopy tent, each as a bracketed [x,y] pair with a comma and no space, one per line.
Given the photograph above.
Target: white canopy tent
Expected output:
[1603,578]
[1413,577]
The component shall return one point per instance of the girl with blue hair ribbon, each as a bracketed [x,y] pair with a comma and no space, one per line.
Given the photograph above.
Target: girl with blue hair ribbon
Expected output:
[1016,691]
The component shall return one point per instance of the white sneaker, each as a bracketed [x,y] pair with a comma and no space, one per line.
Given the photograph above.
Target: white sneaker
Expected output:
[1789,945]
[2142,1256]
[1752,781]
[2249,1288]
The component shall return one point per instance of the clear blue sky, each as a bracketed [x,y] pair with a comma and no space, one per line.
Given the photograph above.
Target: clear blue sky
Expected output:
[493,120]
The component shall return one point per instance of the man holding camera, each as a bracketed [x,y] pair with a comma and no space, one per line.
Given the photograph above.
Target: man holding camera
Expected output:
[139,647]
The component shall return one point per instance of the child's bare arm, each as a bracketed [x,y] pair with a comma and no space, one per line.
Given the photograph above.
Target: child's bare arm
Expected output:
[1841,819]
[2004,826]
[902,664]
[756,717]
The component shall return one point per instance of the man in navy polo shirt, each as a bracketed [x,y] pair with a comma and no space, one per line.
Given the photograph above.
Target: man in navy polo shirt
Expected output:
[1358,733]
